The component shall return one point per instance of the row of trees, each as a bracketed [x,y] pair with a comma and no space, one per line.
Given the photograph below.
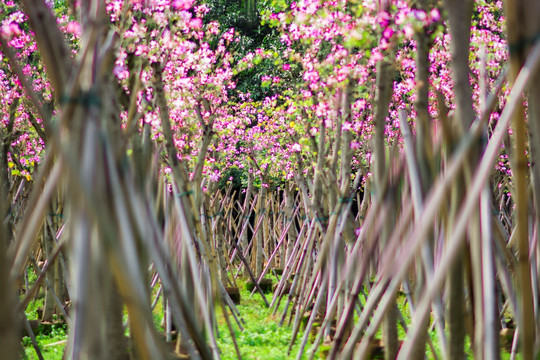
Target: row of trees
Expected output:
[356,144]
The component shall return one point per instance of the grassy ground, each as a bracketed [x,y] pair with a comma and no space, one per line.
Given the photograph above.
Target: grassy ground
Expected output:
[51,346]
[50,337]
[262,338]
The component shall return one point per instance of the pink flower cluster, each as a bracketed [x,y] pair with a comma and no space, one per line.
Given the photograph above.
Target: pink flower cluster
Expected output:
[328,47]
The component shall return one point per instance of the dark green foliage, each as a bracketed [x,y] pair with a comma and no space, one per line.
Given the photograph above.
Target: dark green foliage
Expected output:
[238,178]
[253,34]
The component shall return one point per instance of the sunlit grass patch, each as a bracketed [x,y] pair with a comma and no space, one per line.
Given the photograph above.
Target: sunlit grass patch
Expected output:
[262,337]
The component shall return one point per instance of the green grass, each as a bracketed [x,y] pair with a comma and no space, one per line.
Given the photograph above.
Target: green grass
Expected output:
[51,342]
[262,338]
[469,351]
[50,338]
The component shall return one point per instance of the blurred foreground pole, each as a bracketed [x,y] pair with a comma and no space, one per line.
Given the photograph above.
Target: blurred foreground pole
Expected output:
[384,90]
[9,339]
[459,18]
[523,30]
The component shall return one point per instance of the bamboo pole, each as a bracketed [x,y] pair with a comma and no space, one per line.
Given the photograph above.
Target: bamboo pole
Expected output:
[522,31]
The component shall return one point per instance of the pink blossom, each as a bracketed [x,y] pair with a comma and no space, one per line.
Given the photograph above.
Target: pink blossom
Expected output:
[384,19]
[120,72]
[435,15]
[74,28]
[266,79]
[214,176]
[388,32]
[419,14]
[17,17]
[376,56]
[196,23]
[10,30]
[296,147]
[181,4]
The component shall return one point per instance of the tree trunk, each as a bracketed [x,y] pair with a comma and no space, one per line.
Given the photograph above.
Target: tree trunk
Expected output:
[244,242]
[259,237]
[424,158]
[292,233]
[523,28]
[221,251]
[384,95]
[459,18]
[117,346]
[49,303]
[9,334]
